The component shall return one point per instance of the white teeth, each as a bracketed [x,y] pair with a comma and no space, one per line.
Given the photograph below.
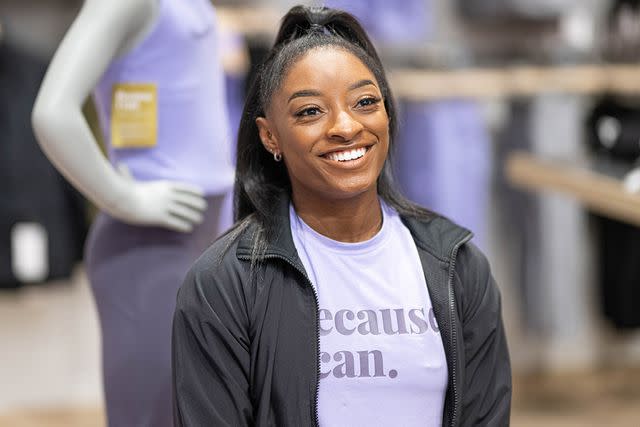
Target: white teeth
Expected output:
[344,156]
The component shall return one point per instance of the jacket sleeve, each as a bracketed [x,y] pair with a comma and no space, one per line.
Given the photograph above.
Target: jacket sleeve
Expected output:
[210,349]
[486,400]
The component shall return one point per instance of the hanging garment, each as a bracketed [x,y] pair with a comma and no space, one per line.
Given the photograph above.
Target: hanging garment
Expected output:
[233,44]
[42,219]
[390,22]
[612,127]
[444,161]
[620,41]
[556,249]
[619,276]
[518,213]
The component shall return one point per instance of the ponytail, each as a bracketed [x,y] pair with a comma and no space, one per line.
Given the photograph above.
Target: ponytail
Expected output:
[303,20]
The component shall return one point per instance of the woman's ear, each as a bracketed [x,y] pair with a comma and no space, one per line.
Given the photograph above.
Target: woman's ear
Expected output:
[269,141]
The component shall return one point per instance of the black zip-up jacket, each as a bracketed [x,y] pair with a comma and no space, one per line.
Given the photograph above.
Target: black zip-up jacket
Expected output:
[245,351]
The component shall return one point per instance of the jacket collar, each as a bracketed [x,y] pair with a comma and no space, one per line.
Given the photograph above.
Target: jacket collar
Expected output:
[438,235]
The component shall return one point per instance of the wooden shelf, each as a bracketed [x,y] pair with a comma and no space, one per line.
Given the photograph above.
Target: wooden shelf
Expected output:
[599,192]
[419,85]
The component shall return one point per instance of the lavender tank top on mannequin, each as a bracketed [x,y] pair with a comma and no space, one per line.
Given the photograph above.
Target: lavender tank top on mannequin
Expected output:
[179,57]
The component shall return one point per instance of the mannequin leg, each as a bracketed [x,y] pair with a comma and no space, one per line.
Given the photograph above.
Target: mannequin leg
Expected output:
[135,273]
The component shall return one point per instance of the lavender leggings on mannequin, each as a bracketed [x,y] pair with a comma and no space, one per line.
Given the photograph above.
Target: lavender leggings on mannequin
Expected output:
[135,273]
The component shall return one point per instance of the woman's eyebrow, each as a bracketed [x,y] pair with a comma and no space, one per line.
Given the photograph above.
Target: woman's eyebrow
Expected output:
[301,93]
[361,83]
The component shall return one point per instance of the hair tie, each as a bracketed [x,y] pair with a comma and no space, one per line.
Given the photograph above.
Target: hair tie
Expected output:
[316,27]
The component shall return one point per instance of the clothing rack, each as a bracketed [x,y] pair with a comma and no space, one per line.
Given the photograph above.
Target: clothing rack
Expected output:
[599,191]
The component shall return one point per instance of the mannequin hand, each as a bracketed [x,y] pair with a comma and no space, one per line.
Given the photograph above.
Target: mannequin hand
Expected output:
[168,204]
[632,181]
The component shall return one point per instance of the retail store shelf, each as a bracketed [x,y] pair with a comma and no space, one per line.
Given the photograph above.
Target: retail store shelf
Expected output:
[420,85]
[598,191]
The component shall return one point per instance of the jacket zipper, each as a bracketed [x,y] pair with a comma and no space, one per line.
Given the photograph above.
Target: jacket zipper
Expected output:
[317,304]
[454,332]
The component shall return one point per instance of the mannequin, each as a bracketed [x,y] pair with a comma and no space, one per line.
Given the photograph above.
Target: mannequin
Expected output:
[157,84]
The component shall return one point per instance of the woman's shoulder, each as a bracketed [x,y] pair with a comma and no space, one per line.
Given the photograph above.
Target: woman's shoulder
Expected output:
[224,249]
[218,269]
[472,261]
[476,285]
[215,287]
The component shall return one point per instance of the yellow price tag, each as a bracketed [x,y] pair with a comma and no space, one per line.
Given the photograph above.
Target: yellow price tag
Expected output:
[134,115]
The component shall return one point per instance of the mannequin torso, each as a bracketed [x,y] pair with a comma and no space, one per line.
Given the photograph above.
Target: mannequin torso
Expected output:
[161,105]
[101,32]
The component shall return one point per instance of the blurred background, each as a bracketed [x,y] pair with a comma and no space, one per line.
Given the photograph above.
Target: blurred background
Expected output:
[518,119]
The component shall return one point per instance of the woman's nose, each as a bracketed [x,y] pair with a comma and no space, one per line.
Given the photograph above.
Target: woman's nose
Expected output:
[344,127]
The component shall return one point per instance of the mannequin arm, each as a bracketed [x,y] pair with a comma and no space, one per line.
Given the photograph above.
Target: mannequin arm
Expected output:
[102,30]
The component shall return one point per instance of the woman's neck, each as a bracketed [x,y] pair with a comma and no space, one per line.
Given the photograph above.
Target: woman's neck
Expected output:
[346,220]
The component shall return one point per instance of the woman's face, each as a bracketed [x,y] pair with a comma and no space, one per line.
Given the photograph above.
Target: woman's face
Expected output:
[329,122]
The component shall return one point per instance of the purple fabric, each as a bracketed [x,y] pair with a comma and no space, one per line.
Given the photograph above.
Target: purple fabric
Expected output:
[444,161]
[389,22]
[181,56]
[135,273]
[235,103]
[232,44]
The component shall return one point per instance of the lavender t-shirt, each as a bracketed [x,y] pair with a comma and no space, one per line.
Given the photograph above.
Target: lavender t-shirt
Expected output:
[382,361]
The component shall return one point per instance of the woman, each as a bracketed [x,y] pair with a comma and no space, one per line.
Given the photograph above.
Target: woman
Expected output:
[334,301]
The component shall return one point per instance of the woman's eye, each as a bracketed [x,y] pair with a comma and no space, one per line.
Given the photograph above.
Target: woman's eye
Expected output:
[311,111]
[366,102]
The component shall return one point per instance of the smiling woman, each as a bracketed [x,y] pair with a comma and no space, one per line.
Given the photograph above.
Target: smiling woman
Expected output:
[329,123]
[321,230]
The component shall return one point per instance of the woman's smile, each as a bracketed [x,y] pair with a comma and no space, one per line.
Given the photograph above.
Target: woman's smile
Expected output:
[348,158]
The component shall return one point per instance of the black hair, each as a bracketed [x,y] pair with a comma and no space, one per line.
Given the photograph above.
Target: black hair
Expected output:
[259,179]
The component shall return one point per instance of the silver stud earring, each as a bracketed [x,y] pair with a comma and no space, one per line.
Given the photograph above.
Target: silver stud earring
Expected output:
[277,156]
